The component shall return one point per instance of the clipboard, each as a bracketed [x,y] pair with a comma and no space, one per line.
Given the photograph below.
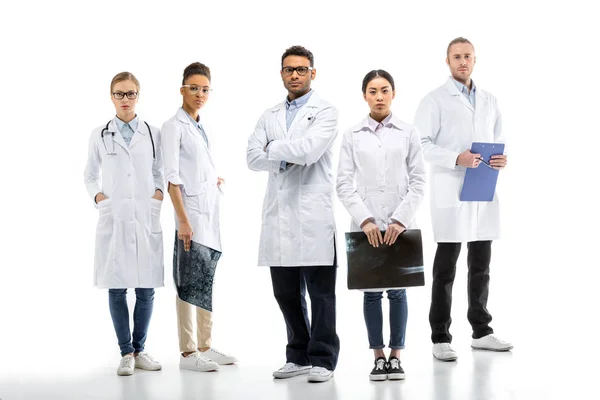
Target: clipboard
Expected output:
[480,183]
[397,266]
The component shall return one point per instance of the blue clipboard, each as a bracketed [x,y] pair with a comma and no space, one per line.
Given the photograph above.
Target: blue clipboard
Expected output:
[480,182]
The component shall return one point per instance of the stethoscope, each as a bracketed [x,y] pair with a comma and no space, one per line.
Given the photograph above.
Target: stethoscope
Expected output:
[113,153]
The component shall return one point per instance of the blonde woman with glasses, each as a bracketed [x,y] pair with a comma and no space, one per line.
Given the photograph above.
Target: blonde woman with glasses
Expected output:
[194,188]
[124,178]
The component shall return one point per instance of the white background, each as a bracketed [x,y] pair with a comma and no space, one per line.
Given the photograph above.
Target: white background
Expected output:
[538,58]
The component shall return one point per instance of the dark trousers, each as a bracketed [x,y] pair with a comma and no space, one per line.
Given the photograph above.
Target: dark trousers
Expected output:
[315,344]
[444,271]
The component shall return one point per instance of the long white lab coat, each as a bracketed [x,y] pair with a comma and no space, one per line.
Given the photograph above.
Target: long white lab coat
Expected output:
[189,162]
[448,125]
[298,224]
[381,175]
[129,242]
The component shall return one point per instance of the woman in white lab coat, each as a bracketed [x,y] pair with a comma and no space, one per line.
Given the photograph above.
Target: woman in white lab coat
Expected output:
[380,181]
[194,188]
[124,177]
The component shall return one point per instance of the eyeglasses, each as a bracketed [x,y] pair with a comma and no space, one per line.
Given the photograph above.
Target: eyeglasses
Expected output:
[288,71]
[120,95]
[193,89]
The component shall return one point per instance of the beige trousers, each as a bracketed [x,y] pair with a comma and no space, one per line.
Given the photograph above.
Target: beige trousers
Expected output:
[185,325]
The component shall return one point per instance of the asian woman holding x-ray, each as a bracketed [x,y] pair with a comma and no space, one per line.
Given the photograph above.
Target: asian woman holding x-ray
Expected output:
[381,181]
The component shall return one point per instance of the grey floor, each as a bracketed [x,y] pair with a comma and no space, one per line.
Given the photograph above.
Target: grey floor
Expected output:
[520,374]
[65,347]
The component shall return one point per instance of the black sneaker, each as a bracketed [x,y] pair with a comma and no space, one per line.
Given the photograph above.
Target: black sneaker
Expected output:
[395,371]
[379,372]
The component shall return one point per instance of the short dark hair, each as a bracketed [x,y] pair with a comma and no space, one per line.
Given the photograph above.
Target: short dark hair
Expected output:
[195,69]
[455,41]
[374,74]
[298,51]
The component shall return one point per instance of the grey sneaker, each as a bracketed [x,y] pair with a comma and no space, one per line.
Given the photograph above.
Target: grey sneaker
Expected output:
[443,351]
[491,342]
[319,374]
[126,365]
[291,369]
[145,361]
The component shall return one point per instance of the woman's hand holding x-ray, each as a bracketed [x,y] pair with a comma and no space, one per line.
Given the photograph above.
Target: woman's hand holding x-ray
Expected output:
[373,233]
[393,231]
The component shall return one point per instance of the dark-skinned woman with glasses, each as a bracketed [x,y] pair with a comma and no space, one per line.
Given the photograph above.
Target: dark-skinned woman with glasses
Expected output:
[194,188]
[381,182]
[124,178]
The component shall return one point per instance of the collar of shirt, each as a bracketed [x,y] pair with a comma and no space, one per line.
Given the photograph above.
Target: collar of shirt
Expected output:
[299,102]
[372,124]
[463,89]
[133,123]
[196,123]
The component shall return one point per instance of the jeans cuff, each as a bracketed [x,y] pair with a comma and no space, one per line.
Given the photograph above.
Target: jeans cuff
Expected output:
[378,347]
[127,351]
[396,347]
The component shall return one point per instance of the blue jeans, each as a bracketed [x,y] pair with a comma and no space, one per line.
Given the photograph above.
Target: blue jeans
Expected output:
[374,318]
[117,301]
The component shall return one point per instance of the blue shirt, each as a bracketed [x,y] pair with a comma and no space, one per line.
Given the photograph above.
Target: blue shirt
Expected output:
[292,107]
[465,91]
[197,125]
[127,129]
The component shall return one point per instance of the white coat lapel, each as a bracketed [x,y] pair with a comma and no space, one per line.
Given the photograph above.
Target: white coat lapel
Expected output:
[309,110]
[453,90]
[185,119]
[281,120]
[112,127]
[141,133]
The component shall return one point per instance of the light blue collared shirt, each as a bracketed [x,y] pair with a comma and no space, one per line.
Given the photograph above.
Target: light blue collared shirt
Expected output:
[292,107]
[197,125]
[465,91]
[127,129]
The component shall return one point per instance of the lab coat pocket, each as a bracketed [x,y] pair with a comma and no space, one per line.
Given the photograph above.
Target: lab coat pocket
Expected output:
[195,198]
[317,221]
[105,241]
[155,206]
[447,187]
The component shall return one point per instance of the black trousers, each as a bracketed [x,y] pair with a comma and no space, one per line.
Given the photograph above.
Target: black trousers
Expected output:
[315,344]
[444,271]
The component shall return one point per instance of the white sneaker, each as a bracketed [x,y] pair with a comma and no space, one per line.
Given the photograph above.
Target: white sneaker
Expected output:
[219,357]
[491,342]
[145,361]
[443,351]
[126,365]
[197,362]
[291,369]
[319,374]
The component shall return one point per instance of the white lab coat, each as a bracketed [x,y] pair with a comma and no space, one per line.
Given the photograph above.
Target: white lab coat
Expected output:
[449,124]
[298,224]
[129,242]
[189,163]
[381,175]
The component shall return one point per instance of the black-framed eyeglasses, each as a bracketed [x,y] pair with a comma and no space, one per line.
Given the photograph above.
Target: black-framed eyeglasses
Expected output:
[193,89]
[120,95]
[288,71]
